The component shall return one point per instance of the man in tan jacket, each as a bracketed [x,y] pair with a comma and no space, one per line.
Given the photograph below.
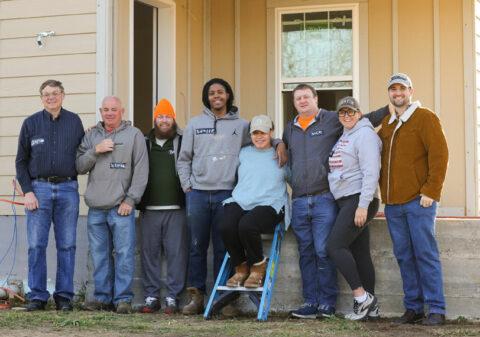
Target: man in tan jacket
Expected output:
[414,164]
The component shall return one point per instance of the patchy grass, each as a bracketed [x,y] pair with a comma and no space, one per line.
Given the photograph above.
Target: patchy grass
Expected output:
[81,323]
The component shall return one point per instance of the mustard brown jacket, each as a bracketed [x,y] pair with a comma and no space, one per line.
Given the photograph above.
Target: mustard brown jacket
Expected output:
[414,156]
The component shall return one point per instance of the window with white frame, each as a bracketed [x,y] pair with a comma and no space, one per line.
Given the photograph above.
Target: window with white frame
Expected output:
[317,46]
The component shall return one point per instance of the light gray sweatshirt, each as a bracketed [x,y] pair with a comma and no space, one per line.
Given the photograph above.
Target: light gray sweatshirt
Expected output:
[117,176]
[208,157]
[355,163]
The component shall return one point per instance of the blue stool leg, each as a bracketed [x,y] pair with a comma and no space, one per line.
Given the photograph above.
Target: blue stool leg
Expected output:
[221,280]
[271,275]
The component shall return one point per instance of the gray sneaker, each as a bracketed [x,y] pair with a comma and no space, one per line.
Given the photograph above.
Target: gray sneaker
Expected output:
[124,308]
[361,310]
[375,313]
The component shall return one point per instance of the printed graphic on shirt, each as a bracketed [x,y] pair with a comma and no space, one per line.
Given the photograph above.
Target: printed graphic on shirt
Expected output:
[37,141]
[116,166]
[205,131]
[316,133]
[235,132]
[171,152]
[335,160]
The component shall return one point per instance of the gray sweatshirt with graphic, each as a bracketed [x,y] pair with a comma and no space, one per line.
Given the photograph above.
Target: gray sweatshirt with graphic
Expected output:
[355,163]
[117,176]
[208,157]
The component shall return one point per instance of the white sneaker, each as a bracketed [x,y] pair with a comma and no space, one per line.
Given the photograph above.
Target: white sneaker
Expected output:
[375,313]
[361,310]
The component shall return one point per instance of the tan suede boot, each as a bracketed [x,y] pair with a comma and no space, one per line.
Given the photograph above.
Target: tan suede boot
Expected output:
[257,274]
[241,274]
[195,307]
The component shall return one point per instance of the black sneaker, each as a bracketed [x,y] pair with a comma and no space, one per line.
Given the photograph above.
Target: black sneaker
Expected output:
[325,311]
[361,310]
[434,320]
[409,317]
[63,304]
[36,305]
[307,310]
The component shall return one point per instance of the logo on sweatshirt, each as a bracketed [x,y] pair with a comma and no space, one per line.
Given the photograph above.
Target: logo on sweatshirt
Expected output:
[235,133]
[171,152]
[205,131]
[316,133]
[118,166]
[37,141]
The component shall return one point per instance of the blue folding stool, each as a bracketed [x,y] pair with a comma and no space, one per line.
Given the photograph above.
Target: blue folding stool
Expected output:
[222,295]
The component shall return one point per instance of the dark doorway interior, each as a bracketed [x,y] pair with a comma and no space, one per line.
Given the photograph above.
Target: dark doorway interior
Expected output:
[144,65]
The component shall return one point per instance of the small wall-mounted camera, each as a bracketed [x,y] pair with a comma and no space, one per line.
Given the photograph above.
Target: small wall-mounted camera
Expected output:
[41,35]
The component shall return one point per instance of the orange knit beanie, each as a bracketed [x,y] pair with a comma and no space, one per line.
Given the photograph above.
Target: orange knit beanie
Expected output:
[164,108]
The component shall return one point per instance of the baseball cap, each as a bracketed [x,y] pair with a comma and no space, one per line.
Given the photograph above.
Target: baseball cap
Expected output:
[348,102]
[261,123]
[400,78]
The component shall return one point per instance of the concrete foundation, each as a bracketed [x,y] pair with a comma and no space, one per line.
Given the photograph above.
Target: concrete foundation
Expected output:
[458,241]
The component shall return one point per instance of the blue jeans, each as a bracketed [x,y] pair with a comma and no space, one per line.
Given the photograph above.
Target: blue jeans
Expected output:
[58,203]
[412,228]
[312,220]
[112,245]
[204,213]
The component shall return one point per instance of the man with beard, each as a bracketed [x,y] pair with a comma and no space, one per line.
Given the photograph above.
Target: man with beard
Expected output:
[163,219]
[414,165]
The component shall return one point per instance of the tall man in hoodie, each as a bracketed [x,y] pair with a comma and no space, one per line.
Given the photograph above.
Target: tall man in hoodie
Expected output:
[163,219]
[310,138]
[115,154]
[414,165]
[207,167]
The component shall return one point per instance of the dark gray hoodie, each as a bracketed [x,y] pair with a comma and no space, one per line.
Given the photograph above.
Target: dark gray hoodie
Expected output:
[117,176]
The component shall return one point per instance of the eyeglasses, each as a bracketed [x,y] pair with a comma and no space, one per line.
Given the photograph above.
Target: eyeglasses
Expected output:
[54,94]
[343,113]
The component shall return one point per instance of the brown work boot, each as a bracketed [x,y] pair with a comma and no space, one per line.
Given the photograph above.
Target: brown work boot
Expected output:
[241,274]
[195,307]
[257,274]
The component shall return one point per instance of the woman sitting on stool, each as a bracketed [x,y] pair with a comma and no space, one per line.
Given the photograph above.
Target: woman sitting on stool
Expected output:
[257,205]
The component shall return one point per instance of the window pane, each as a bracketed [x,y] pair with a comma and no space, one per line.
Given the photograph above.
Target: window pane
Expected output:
[293,48]
[341,43]
[317,44]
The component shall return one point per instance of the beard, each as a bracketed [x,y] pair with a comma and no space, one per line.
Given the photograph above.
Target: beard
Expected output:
[168,134]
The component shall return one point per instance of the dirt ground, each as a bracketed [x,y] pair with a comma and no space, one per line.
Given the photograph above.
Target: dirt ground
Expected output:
[78,323]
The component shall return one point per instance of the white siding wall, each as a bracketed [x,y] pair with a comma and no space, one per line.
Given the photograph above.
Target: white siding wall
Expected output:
[69,56]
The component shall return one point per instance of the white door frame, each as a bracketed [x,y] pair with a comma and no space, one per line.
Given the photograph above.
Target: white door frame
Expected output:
[165,61]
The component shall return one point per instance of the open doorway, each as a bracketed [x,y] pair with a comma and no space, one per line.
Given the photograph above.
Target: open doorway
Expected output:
[145,76]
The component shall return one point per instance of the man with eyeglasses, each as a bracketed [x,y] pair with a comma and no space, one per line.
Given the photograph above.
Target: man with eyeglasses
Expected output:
[45,166]
[414,165]
[310,138]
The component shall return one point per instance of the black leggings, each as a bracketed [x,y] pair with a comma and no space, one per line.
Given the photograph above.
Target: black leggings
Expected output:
[241,231]
[349,246]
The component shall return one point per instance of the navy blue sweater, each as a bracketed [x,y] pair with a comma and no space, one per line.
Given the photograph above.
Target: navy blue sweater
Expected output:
[47,147]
